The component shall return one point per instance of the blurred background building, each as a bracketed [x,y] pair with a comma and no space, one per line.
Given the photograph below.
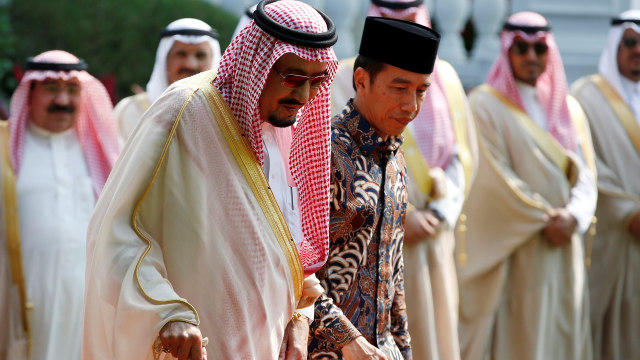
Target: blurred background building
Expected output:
[470,29]
[118,38]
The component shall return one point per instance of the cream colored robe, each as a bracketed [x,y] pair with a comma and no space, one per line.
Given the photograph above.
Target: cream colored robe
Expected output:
[342,86]
[520,296]
[206,245]
[128,112]
[614,276]
[431,284]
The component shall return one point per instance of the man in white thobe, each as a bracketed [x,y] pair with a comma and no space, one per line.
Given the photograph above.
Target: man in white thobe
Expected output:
[523,288]
[611,100]
[199,233]
[187,47]
[58,148]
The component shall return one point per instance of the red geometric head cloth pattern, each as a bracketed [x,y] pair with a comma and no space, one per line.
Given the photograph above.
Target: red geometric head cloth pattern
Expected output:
[95,125]
[241,77]
[551,86]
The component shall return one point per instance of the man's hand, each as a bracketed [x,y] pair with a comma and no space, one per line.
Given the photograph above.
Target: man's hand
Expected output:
[420,224]
[560,226]
[294,343]
[360,349]
[634,225]
[183,341]
[311,290]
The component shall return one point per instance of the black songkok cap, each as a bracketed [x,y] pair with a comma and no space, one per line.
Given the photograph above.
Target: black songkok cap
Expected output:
[400,43]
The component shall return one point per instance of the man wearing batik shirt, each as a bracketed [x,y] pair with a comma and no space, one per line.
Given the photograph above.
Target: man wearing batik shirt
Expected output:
[611,100]
[187,47]
[523,289]
[363,309]
[57,150]
[217,215]
[440,150]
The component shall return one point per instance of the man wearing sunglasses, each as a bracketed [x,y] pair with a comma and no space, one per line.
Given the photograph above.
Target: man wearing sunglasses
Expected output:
[217,214]
[611,100]
[362,314]
[523,289]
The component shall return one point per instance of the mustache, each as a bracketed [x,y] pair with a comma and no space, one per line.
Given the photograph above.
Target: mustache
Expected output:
[61,108]
[290,101]
[187,71]
[529,63]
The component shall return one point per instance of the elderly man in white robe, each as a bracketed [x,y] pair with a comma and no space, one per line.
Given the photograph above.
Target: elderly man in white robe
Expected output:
[217,215]
[523,289]
[611,100]
[58,148]
[187,46]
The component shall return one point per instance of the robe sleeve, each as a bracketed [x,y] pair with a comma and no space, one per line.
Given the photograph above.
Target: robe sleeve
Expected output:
[497,152]
[450,205]
[620,204]
[399,325]
[127,283]
[330,323]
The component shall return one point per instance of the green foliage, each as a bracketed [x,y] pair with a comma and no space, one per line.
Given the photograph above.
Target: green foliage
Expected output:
[7,51]
[115,37]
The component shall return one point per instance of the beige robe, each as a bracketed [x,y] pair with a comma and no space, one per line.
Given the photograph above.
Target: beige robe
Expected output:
[520,296]
[342,86]
[199,248]
[614,276]
[128,112]
[431,284]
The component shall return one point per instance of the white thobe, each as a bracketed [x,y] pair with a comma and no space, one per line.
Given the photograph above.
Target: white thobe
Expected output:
[55,201]
[582,203]
[286,196]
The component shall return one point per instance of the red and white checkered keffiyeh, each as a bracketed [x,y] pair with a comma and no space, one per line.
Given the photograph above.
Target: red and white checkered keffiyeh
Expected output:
[95,125]
[432,126]
[241,77]
[551,86]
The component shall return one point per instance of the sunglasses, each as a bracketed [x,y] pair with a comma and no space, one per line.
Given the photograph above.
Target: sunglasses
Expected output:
[522,47]
[630,42]
[295,80]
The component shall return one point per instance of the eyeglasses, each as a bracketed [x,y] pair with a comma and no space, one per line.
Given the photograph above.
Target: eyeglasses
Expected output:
[630,42]
[295,80]
[522,47]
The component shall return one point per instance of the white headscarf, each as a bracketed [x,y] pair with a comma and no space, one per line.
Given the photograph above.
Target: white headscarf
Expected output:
[608,66]
[159,82]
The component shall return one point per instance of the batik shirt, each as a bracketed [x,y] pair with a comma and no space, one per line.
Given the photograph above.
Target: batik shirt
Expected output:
[363,276]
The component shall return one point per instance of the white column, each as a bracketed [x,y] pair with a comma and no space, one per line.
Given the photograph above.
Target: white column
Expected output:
[487,16]
[451,16]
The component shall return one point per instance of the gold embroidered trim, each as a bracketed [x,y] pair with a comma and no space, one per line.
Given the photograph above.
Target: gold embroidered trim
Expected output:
[622,110]
[579,119]
[458,120]
[417,164]
[253,172]
[549,145]
[143,235]
[12,223]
